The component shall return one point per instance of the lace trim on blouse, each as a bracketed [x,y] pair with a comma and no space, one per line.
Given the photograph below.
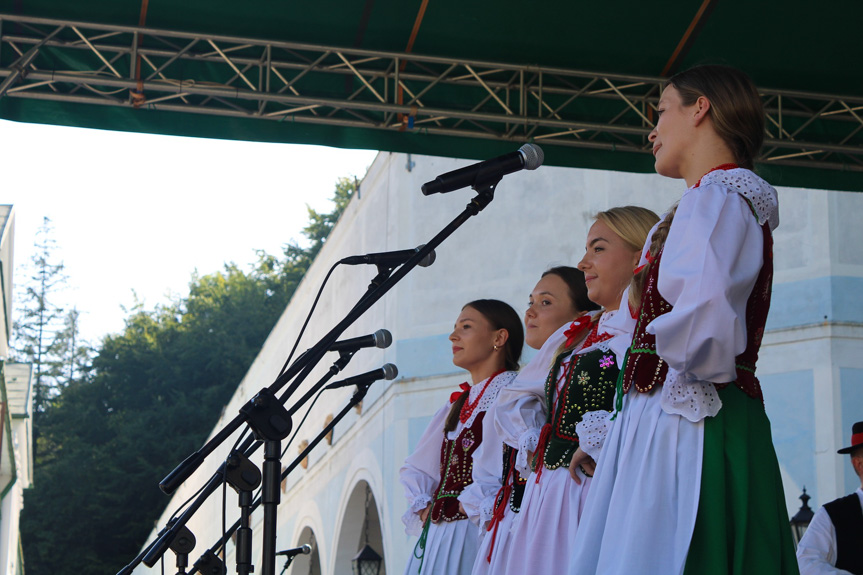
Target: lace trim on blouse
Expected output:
[760,195]
[692,399]
[592,431]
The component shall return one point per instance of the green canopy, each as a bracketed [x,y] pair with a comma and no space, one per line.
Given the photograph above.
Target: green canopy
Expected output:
[468,79]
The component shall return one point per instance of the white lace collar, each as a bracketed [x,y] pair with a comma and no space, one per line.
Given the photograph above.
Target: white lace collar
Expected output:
[487,400]
[761,195]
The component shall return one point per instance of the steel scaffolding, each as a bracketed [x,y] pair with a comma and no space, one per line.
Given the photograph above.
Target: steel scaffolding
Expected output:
[132,67]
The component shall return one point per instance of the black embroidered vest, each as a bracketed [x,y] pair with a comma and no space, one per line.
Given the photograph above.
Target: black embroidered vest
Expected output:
[513,477]
[589,386]
[456,465]
[847,517]
[645,369]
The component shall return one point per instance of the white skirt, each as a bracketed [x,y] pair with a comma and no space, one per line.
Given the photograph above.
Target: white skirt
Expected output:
[451,548]
[642,506]
[483,566]
[542,533]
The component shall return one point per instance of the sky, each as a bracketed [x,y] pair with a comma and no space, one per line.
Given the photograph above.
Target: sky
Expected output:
[134,215]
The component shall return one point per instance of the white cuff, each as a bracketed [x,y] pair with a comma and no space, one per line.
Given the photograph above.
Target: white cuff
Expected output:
[689,397]
[411,518]
[486,510]
[526,444]
[592,430]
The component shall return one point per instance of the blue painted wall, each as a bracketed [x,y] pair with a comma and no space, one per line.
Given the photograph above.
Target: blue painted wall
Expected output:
[789,402]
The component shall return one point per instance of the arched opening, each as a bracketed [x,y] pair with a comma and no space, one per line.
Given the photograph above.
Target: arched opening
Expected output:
[306,564]
[361,524]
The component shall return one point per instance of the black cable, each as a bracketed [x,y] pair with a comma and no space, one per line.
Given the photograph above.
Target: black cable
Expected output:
[308,317]
[302,421]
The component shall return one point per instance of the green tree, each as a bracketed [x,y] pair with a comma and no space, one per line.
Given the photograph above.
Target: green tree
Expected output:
[153,394]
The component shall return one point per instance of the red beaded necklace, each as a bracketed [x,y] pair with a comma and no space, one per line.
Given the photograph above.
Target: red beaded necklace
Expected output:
[467,409]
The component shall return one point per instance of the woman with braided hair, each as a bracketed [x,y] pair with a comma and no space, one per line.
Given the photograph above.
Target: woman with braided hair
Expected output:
[688,480]
[486,341]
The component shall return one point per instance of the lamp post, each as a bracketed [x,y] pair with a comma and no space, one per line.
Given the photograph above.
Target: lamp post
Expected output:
[801,519]
[367,561]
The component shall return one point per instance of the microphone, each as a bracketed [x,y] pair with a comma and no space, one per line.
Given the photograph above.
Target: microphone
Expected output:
[395,258]
[381,338]
[387,371]
[528,157]
[304,550]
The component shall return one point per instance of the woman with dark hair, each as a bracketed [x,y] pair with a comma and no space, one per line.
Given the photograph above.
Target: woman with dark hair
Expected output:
[486,342]
[494,497]
[542,415]
[688,480]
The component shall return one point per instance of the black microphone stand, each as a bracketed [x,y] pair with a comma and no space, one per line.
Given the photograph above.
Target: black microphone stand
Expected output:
[155,550]
[356,398]
[268,417]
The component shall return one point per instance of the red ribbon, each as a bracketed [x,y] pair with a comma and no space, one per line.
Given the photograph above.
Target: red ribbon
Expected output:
[856,439]
[504,494]
[649,259]
[576,329]
[463,388]
[539,454]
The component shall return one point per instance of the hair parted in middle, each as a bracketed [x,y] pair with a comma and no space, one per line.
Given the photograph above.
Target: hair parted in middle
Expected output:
[574,280]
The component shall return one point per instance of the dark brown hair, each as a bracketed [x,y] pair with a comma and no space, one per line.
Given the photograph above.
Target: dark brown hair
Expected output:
[735,107]
[574,280]
[737,113]
[501,316]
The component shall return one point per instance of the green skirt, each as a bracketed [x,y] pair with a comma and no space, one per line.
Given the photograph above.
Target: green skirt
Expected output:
[742,525]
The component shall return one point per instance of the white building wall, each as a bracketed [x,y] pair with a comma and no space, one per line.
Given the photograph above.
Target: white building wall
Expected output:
[810,365]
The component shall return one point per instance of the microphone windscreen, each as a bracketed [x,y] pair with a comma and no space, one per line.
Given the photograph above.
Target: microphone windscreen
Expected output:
[383,338]
[533,156]
[390,371]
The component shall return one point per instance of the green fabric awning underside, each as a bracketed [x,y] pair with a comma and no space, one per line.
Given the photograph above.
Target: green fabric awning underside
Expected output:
[786,46]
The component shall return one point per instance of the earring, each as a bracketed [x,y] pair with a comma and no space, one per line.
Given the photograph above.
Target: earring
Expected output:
[496,348]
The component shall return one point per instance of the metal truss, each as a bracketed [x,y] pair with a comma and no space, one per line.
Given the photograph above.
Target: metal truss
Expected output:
[135,67]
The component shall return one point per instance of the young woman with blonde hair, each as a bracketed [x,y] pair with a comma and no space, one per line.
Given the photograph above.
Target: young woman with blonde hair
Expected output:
[541,415]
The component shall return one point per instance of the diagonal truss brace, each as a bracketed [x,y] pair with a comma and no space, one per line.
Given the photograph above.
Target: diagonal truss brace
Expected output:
[354,88]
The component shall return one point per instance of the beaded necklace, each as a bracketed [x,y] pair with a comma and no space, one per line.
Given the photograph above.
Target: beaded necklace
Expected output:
[467,409]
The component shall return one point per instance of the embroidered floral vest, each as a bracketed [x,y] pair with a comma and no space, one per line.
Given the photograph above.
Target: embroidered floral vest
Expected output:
[511,475]
[645,369]
[456,465]
[589,386]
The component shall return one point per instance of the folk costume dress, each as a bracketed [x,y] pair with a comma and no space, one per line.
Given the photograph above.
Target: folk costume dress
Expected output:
[497,486]
[438,471]
[542,416]
[688,480]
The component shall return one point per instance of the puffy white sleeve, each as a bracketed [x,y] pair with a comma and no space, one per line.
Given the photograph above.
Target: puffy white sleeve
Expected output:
[478,497]
[710,263]
[519,413]
[420,473]
[816,553]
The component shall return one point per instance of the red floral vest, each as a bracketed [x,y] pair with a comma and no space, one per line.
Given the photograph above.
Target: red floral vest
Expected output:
[645,369]
[456,465]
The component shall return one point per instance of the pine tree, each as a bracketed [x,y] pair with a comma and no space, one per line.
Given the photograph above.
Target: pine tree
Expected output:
[38,334]
[76,354]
